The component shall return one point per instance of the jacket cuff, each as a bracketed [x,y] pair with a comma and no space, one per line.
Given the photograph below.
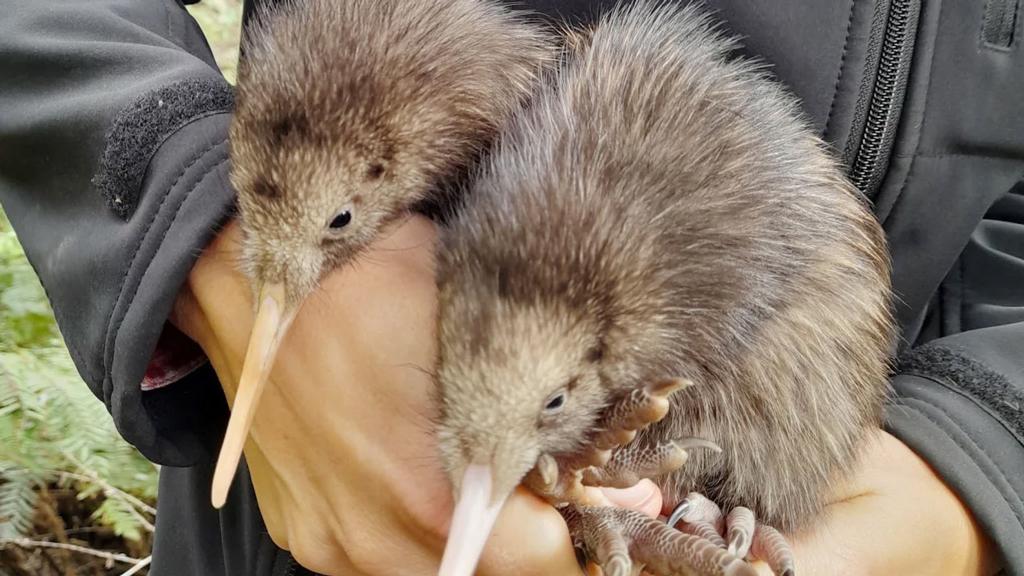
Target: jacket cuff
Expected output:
[185,198]
[972,448]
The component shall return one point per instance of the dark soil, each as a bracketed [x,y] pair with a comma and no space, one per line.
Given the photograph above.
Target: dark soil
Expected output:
[62,518]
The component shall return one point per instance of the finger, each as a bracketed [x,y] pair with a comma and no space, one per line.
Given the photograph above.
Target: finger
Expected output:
[644,497]
[270,500]
[529,538]
[272,320]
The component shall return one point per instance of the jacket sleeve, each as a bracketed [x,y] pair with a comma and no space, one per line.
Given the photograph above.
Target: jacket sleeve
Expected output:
[959,399]
[113,172]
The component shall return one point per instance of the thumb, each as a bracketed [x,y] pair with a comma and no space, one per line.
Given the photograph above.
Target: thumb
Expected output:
[643,497]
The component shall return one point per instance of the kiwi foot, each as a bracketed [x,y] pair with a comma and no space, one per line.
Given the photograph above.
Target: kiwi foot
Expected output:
[629,464]
[623,541]
[743,535]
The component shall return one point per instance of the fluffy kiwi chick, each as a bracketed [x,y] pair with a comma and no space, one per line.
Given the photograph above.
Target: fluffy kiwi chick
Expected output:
[662,211]
[348,114]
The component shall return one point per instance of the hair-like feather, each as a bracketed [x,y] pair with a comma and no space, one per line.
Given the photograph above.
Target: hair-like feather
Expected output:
[659,211]
[369,107]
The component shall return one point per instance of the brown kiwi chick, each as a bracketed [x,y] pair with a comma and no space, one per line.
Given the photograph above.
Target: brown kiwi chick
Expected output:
[660,215]
[349,113]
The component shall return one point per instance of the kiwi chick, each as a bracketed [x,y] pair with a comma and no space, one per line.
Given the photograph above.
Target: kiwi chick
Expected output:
[661,212]
[348,114]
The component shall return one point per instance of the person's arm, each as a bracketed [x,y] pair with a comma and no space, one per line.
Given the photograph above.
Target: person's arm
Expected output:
[113,172]
[959,404]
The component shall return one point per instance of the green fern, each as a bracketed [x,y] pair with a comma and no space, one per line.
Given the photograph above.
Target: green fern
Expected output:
[50,423]
[121,516]
[221,22]
[17,502]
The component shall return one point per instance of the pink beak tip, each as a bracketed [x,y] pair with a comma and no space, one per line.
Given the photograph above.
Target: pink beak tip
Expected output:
[474,516]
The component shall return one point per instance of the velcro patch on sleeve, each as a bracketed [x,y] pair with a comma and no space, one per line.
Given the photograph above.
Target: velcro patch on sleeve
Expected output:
[142,126]
[987,386]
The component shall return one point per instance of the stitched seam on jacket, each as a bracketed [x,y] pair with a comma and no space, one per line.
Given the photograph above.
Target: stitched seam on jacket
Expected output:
[170,224]
[174,217]
[898,201]
[167,15]
[961,288]
[899,194]
[110,334]
[842,67]
[1006,490]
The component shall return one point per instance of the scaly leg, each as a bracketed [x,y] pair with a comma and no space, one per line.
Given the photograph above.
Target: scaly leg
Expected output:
[616,539]
[772,547]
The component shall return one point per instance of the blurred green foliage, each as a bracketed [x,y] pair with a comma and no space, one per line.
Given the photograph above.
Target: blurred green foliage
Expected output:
[53,431]
[221,22]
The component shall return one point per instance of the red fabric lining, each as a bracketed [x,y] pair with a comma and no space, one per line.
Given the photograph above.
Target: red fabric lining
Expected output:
[175,357]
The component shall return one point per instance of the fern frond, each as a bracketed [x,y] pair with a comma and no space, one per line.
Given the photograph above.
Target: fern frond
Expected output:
[120,516]
[17,503]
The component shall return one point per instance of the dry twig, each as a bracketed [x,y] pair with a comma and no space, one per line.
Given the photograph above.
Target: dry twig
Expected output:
[142,564]
[26,543]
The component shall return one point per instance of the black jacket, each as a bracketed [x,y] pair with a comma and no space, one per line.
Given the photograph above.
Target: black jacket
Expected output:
[113,171]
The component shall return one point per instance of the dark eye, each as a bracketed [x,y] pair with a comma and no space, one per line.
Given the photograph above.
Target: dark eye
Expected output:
[341,220]
[555,403]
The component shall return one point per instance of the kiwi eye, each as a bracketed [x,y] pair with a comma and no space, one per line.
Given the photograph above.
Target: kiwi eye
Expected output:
[555,403]
[341,220]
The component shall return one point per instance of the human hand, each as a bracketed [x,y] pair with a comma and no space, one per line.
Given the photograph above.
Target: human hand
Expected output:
[341,450]
[894,516]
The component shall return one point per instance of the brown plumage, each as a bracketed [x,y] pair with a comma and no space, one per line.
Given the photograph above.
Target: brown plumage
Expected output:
[349,113]
[659,212]
[365,106]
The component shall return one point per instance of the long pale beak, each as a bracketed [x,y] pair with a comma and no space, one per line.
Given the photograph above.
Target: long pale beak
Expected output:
[273,316]
[475,513]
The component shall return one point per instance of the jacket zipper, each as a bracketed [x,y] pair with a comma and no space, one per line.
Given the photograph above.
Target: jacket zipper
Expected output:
[877,119]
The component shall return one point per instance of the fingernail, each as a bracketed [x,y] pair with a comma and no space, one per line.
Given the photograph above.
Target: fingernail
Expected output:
[627,497]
